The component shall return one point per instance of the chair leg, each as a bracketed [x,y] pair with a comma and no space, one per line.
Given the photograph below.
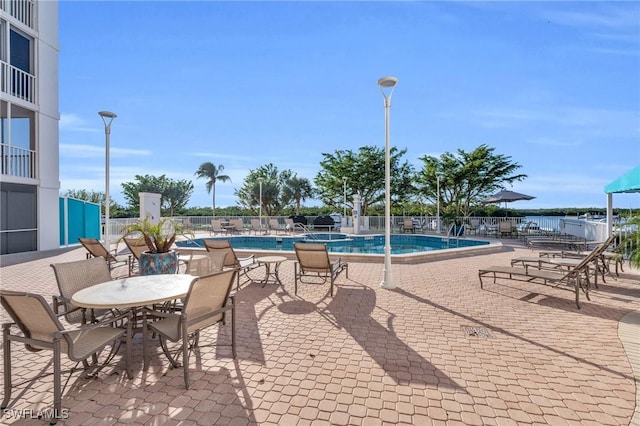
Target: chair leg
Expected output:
[233,328]
[6,348]
[185,355]
[295,278]
[57,382]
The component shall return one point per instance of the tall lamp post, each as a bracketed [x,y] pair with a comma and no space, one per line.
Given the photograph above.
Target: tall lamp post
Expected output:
[107,118]
[438,177]
[260,203]
[387,84]
[344,199]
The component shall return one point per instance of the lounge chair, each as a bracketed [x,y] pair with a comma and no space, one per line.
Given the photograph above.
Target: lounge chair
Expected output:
[242,264]
[74,276]
[576,276]
[603,262]
[206,304]
[314,262]
[96,249]
[40,329]
[569,242]
[136,246]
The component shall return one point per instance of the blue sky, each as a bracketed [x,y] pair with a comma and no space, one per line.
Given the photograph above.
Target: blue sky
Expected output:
[553,85]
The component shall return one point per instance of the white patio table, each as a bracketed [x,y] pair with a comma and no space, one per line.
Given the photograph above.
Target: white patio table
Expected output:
[134,292]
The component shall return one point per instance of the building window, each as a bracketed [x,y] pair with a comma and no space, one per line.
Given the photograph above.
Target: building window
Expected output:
[20,51]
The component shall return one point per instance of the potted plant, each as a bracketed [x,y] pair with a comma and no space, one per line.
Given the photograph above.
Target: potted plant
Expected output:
[160,258]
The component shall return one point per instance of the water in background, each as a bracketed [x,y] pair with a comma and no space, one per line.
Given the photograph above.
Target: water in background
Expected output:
[551,223]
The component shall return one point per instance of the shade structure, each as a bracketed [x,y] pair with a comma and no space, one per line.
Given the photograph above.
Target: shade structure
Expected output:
[628,182]
[505,196]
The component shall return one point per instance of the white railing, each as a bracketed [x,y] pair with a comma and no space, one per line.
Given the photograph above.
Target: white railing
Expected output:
[15,161]
[18,83]
[22,10]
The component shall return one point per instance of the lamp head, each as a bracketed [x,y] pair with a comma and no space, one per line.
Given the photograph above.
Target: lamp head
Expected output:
[387,82]
[107,114]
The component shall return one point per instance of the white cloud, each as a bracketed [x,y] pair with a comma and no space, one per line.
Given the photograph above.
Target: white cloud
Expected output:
[92,151]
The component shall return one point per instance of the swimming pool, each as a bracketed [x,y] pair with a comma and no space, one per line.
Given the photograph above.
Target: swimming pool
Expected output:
[343,243]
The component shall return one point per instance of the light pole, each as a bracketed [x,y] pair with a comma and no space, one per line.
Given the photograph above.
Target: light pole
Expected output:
[107,118]
[438,177]
[344,199]
[387,84]
[260,203]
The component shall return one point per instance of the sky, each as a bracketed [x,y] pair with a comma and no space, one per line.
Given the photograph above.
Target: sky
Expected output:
[554,85]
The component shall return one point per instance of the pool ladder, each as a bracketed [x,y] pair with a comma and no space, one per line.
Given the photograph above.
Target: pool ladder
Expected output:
[456,233]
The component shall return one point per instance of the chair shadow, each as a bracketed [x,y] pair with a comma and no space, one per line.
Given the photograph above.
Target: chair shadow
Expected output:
[512,335]
[402,363]
[248,339]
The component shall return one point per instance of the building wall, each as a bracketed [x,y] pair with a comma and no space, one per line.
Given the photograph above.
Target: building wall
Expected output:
[45,53]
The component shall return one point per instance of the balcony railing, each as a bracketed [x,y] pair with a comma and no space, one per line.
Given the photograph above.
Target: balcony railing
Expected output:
[18,162]
[16,82]
[22,10]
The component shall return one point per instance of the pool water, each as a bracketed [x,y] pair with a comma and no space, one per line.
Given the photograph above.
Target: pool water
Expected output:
[342,243]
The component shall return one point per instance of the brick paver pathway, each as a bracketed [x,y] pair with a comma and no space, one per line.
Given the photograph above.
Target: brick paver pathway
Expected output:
[436,350]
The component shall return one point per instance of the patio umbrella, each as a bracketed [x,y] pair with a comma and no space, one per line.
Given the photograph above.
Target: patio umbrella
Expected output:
[506,197]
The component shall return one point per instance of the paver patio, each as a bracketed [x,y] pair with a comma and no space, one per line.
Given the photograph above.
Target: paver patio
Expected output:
[436,350]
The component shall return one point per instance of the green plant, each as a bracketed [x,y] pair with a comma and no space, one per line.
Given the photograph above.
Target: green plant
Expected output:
[160,236]
[630,243]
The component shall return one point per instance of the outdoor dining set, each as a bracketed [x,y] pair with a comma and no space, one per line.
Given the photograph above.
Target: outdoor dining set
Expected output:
[94,311]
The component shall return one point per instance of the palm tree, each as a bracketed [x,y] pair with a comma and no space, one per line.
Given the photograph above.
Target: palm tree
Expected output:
[298,189]
[211,172]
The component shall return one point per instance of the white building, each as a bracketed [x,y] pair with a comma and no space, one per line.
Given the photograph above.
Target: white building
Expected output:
[29,116]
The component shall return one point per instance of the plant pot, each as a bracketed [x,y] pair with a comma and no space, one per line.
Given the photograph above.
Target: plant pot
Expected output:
[158,263]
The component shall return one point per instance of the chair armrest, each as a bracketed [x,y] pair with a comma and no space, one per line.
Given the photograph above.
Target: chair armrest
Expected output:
[102,323]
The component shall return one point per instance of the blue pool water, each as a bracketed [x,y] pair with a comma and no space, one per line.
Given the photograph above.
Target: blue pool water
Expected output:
[342,243]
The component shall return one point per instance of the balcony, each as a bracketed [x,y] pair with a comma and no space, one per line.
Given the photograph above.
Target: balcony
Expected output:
[15,82]
[19,162]
[22,10]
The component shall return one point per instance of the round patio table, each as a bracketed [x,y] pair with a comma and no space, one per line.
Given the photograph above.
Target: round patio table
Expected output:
[133,292]
[267,261]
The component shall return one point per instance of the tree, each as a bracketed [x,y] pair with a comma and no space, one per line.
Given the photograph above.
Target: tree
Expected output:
[299,189]
[93,197]
[210,171]
[174,194]
[274,198]
[466,178]
[364,171]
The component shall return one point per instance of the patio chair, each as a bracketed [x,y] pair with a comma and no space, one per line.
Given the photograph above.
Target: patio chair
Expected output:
[40,329]
[577,276]
[136,246]
[407,225]
[238,226]
[74,276]
[314,262]
[205,263]
[473,225]
[206,304]
[216,227]
[256,227]
[242,264]
[505,227]
[96,249]
[275,225]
